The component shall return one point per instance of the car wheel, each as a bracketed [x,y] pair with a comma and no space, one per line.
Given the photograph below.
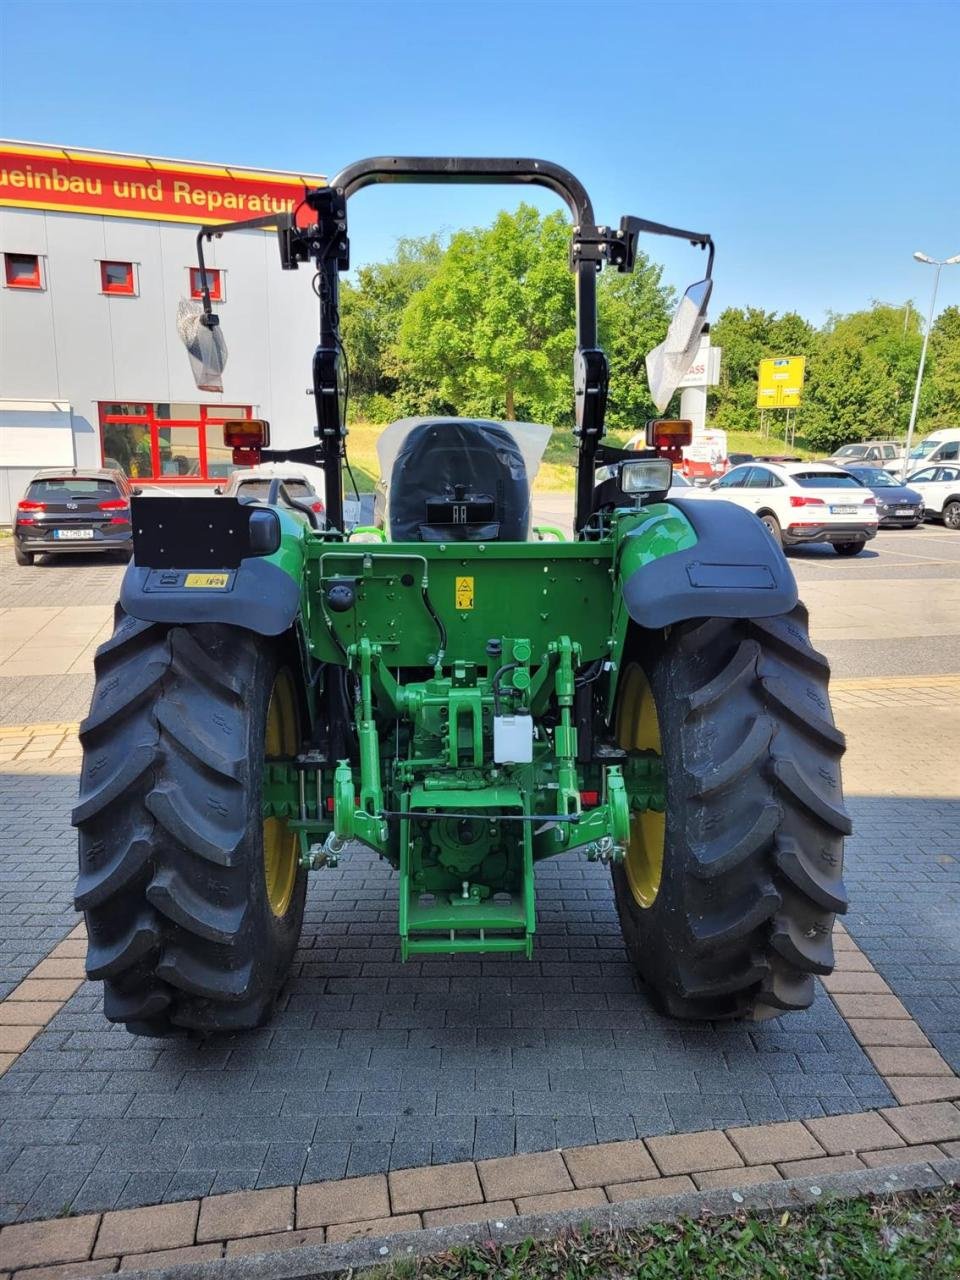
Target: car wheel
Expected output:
[772,526]
[22,557]
[951,515]
[848,548]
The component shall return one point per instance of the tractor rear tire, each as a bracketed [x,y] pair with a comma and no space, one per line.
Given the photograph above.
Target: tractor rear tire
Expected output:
[185,926]
[737,918]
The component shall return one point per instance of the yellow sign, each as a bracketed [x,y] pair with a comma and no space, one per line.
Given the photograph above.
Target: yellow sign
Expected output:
[780,382]
[464,593]
[215,580]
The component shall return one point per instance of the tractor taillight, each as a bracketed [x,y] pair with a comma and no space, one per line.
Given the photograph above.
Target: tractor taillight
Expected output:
[246,433]
[669,436]
[589,799]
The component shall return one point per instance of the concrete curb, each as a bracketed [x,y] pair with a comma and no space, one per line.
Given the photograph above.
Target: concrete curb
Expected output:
[327,1261]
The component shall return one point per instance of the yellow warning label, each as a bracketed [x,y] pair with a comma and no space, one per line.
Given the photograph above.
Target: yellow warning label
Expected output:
[464,593]
[215,580]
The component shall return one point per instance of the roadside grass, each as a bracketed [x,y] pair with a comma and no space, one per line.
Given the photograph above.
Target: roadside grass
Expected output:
[557,471]
[905,1237]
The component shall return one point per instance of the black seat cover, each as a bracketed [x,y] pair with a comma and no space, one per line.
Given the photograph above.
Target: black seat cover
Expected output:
[459,480]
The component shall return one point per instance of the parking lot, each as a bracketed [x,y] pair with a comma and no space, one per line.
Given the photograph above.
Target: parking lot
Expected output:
[371,1065]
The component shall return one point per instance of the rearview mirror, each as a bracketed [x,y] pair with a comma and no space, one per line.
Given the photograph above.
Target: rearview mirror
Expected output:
[203,338]
[667,363]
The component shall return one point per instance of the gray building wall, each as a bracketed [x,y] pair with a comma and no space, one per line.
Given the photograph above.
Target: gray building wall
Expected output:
[71,342]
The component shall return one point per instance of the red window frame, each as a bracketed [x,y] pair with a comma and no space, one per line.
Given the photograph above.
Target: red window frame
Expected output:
[32,281]
[127,288]
[214,281]
[208,414]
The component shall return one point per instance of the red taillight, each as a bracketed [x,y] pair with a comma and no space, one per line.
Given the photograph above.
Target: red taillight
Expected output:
[31,506]
[589,799]
[115,504]
[869,502]
[119,520]
[797,500]
[317,506]
[25,520]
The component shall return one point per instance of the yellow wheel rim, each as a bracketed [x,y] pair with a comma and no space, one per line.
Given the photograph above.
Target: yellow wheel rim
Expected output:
[638,729]
[280,851]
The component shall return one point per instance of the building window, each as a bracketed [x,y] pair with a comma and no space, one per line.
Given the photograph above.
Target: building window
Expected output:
[177,443]
[117,277]
[22,270]
[214,283]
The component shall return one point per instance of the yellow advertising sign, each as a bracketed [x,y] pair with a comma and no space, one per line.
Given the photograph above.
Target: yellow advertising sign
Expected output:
[464,593]
[780,382]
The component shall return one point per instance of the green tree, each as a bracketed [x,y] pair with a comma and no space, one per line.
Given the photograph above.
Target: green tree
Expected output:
[747,336]
[371,310]
[943,371]
[491,331]
[634,312]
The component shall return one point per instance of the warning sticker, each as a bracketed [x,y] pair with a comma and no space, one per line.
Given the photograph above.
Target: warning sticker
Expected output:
[464,593]
[215,580]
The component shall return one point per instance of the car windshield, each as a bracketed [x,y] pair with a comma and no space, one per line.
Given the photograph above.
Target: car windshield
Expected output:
[70,489]
[877,478]
[826,480]
[851,451]
[924,448]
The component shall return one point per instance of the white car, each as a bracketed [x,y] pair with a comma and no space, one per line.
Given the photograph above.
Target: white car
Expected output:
[302,483]
[942,445]
[940,487]
[802,502]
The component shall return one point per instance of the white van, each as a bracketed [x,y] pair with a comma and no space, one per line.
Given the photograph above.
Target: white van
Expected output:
[939,446]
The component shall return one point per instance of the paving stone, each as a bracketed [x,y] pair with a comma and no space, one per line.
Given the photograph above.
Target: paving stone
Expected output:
[855,1133]
[926,1122]
[439,1187]
[273,1243]
[28,1013]
[487,1211]
[908,1062]
[373,1227]
[324,1204]
[888,1032]
[245,1213]
[32,1244]
[870,1006]
[689,1152]
[901,1155]
[651,1188]
[609,1162]
[524,1175]
[751,1176]
[69,1270]
[767,1143]
[170,1257]
[164,1226]
[910,1089]
[819,1168]
[557,1201]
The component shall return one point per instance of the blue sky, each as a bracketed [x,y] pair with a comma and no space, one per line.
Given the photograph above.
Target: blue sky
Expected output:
[816,141]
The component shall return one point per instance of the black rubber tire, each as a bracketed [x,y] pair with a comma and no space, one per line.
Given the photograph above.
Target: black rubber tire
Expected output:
[171,835]
[752,872]
[848,548]
[951,515]
[22,557]
[772,524]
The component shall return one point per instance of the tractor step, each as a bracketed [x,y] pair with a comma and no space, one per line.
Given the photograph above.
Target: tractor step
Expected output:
[450,923]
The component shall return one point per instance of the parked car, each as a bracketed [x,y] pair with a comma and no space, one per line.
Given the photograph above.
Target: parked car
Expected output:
[897,505]
[940,487]
[71,509]
[938,446]
[302,487]
[880,452]
[803,502]
[735,459]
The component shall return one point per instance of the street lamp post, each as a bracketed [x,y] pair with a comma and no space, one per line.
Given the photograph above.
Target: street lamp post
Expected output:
[939,264]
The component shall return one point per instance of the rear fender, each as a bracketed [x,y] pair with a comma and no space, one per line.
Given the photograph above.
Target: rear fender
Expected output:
[720,562]
[196,570]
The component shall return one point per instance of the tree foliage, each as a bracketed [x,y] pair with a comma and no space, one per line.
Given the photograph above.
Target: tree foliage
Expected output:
[484,325]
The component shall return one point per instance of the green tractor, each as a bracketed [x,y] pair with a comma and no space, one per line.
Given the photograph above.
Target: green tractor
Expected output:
[458,691]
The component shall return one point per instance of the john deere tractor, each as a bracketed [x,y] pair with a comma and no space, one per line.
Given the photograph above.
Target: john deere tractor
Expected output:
[459,691]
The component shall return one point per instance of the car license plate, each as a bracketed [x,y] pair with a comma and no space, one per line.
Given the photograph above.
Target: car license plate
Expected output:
[844,511]
[904,511]
[73,534]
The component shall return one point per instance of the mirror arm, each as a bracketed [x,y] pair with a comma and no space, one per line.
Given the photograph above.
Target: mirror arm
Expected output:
[210,319]
[631,227]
